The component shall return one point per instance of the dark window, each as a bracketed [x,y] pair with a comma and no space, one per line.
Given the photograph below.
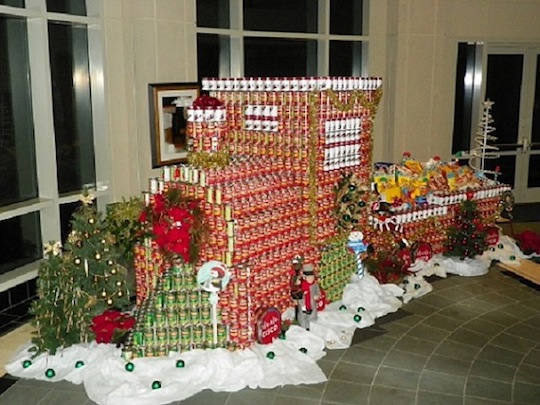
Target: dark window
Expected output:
[213,13]
[463,103]
[346,17]
[345,58]
[503,87]
[279,57]
[210,47]
[18,178]
[13,3]
[280,15]
[72,108]
[20,238]
[75,7]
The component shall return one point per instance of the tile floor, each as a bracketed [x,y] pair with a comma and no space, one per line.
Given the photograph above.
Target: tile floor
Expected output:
[473,340]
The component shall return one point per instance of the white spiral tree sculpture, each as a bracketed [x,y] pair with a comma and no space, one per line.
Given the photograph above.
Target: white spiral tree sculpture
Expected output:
[484,150]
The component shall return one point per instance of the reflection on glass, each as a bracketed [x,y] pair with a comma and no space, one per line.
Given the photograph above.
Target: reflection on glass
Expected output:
[504,89]
[346,17]
[279,57]
[68,45]
[281,15]
[12,3]
[345,58]
[75,7]
[18,178]
[213,13]
[20,238]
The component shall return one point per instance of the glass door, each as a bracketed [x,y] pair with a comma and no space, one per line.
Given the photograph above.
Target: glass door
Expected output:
[513,83]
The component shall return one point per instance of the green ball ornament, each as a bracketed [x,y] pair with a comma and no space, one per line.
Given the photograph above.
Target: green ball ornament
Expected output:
[346,217]
[352,187]
[303,350]
[345,199]
[50,373]
[357,318]
[500,246]
[417,286]
[79,364]
[360,309]
[180,364]
[361,204]
[282,336]
[342,308]
[512,257]
[26,363]
[156,385]
[270,355]
[130,367]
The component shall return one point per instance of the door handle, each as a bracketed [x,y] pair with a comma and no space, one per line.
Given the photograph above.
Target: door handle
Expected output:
[525,144]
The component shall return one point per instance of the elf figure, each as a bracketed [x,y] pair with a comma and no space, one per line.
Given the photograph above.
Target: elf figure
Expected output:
[311,296]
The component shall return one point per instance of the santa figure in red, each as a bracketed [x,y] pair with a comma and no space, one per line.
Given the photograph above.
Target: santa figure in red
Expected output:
[310,289]
[312,297]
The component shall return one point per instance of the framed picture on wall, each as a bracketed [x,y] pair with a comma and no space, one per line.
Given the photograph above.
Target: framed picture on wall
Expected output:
[168,121]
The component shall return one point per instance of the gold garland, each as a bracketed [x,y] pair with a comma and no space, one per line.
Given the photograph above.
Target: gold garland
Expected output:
[209,160]
[369,102]
[358,96]
[312,165]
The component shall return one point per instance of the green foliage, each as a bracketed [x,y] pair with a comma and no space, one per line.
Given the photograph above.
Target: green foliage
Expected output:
[77,283]
[122,220]
[467,238]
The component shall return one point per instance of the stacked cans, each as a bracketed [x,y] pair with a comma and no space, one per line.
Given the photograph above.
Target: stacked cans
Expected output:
[175,317]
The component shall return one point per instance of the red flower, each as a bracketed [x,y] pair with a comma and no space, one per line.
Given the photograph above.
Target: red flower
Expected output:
[105,325]
[159,203]
[178,214]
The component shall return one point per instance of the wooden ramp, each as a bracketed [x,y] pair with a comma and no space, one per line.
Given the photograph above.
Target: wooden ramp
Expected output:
[525,268]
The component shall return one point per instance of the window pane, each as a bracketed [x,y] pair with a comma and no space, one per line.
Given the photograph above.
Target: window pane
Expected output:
[280,15]
[13,3]
[279,57]
[504,89]
[68,45]
[76,7]
[18,179]
[534,171]
[213,13]
[345,58]
[20,238]
[346,17]
[506,166]
[66,213]
[209,49]
[535,136]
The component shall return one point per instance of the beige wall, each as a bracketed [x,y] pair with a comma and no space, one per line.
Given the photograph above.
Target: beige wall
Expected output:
[413,46]
[146,41]
[419,66]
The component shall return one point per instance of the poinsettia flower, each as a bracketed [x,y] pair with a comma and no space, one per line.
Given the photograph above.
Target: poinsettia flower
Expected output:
[178,214]
[107,316]
[159,229]
[159,203]
[143,217]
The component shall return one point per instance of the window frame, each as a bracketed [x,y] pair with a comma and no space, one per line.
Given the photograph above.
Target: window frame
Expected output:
[48,202]
[233,66]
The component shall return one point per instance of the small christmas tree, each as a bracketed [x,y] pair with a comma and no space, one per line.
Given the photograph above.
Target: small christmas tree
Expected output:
[467,238]
[78,283]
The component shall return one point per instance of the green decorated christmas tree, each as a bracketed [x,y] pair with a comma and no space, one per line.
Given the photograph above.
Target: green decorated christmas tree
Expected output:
[467,238]
[78,282]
